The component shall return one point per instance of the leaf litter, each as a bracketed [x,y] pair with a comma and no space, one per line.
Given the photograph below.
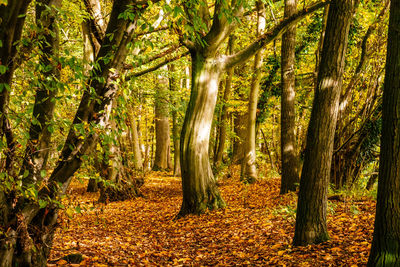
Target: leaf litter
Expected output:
[256,228]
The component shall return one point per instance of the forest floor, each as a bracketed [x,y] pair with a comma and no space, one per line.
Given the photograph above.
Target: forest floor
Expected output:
[256,228]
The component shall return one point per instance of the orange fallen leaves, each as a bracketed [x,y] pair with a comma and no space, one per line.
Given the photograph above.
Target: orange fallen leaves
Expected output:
[255,229]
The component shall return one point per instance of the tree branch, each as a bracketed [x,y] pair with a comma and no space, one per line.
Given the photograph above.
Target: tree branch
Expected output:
[156,67]
[266,38]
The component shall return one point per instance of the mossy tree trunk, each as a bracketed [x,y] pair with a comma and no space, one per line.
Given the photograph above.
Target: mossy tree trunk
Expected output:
[385,249]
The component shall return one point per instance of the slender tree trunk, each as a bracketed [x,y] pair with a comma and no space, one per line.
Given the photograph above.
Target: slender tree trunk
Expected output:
[385,249]
[137,154]
[12,18]
[239,122]
[311,208]
[224,111]
[173,86]
[249,168]
[38,146]
[200,191]
[289,153]
[162,130]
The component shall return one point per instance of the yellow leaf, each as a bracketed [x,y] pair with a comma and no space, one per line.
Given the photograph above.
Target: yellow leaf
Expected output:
[280,253]
[276,246]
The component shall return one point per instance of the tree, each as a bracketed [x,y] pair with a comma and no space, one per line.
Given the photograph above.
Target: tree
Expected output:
[223,120]
[312,202]
[28,224]
[289,154]
[385,249]
[249,168]
[162,155]
[199,188]
[173,87]
[12,20]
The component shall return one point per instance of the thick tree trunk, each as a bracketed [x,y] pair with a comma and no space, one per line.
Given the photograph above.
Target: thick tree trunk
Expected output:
[289,153]
[162,125]
[385,249]
[249,168]
[200,191]
[312,202]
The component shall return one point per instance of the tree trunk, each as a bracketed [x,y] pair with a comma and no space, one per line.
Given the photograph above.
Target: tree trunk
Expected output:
[312,202]
[137,154]
[249,168]
[200,191]
[12,18]
[385,249]
[173,87]
[224,111]
[239,122]
[38,145]
[162,125]
[289,152]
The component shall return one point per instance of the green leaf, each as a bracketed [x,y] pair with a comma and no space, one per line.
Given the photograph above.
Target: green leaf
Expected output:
[26,173]
[43,173]
[42,203]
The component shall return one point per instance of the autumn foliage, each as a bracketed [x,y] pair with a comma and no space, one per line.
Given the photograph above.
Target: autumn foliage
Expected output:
[256,228]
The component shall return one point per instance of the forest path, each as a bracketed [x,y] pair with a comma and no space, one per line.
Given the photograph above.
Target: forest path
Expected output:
[256,228]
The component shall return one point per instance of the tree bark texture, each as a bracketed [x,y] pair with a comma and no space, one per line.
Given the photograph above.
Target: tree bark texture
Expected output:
[200,191]
[239,122]
[222,127]
[249,168]
[385,249]
[311,209]
[289,152]
[173,87]
[162,125]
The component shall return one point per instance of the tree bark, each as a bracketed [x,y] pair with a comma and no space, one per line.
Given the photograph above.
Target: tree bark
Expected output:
[249,168]
[38,145]
[289,151]
[12,20]
[173,87]
[385,249]
[239,122]
[224,111]
[200,191]
[312,202]
[162,125]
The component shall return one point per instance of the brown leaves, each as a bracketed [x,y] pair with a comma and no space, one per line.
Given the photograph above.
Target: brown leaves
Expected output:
[255,229]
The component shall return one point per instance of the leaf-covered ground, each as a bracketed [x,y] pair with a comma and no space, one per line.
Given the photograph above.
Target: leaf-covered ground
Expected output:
[256,228]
